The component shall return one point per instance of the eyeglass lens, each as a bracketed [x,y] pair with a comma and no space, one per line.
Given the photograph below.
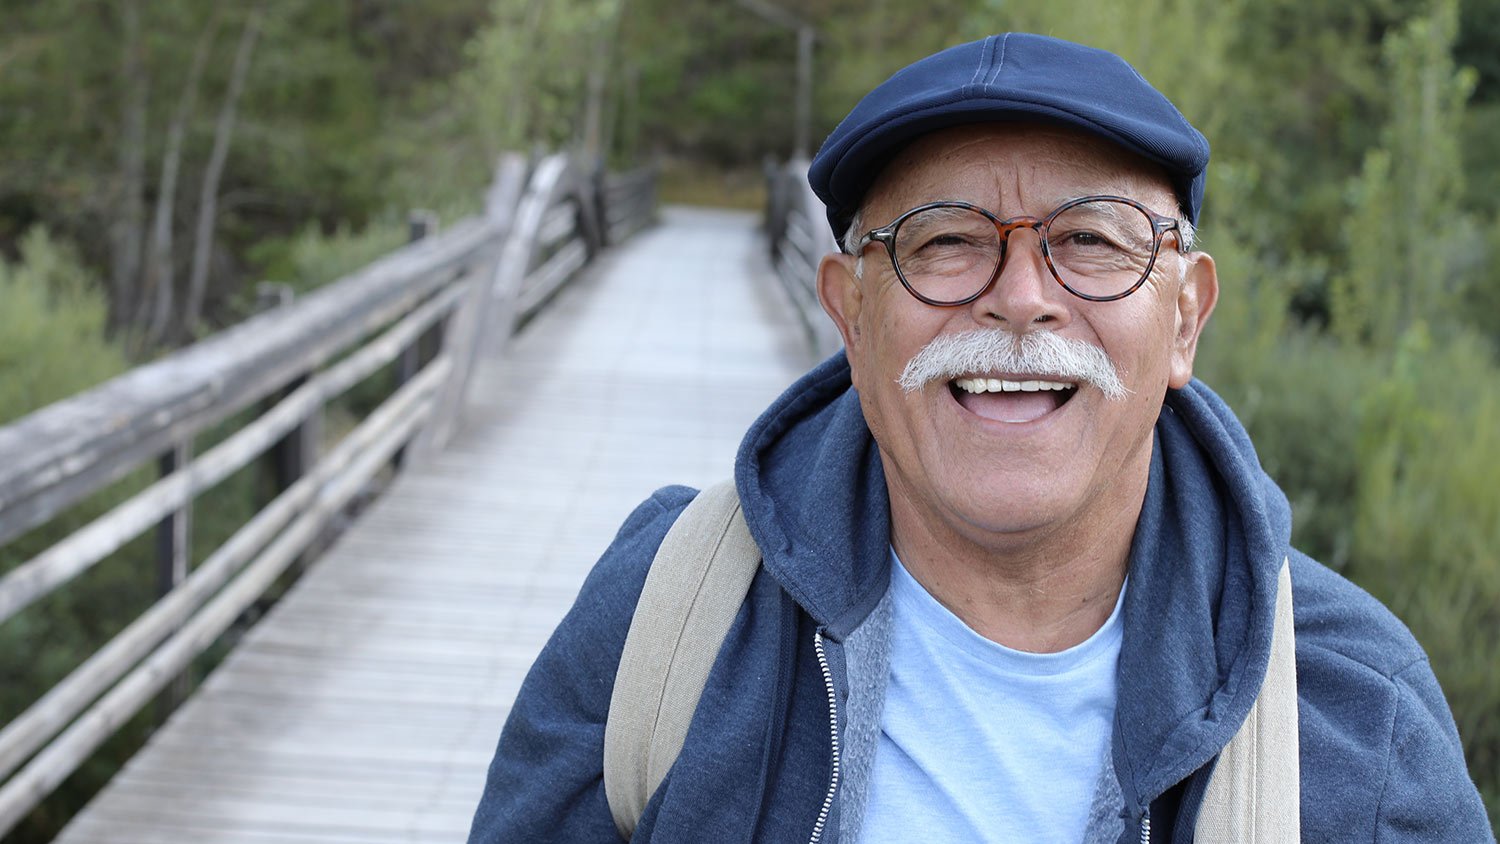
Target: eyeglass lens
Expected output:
[1098,248]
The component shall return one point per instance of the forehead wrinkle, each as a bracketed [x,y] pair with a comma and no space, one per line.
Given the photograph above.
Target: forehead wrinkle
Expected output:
[1005,161]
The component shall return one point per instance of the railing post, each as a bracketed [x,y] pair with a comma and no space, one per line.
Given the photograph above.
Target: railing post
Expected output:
[464,330]
[420,224]
[298,450]
[270,295]
[519,252]
[173,534]
[776,207]
[597,231]
[173,547]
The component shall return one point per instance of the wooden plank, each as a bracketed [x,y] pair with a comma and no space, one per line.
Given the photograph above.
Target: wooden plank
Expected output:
[239,751]
[280,760]
[174,821]
[333,728]
[296,788]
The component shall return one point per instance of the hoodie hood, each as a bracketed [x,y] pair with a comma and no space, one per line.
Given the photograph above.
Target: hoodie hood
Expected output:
[814,496]
[1213,535]
[1211,539]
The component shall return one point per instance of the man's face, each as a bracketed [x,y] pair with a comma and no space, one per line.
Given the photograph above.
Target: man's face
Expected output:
[1014,470]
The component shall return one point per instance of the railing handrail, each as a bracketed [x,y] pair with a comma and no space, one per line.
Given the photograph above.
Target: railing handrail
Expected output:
[538,229]
[84,442]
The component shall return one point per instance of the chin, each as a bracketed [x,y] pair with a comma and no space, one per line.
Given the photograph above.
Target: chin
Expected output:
[1004,508]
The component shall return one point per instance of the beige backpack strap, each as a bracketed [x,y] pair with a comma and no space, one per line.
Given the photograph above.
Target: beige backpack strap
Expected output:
[1255,792]
[695,587]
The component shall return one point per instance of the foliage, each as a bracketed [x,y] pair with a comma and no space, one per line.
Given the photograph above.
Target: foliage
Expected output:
[310,258]
[1403,266]
[690,183]
[51,327]
[326,84]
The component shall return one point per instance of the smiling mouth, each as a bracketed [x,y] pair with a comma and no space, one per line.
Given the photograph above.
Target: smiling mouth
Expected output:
[1007,400]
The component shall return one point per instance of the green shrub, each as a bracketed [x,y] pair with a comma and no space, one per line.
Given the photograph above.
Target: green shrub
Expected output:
[311,258]
[52,328]
[1427,529]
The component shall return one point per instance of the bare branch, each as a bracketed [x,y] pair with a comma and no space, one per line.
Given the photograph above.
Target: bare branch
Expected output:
[156,299]
[127,229]
[208,198]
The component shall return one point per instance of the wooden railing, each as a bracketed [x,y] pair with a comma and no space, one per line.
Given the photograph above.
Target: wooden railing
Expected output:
[432,309]
[627,202]
[799,238]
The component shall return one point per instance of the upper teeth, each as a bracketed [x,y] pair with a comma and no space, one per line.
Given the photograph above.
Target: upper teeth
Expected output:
[998,385]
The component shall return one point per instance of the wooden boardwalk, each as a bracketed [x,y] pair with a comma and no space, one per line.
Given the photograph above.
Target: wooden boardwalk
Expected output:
[365,707]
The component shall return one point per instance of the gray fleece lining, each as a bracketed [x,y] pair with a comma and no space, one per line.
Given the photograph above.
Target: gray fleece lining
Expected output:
[867,653]
[1107,811]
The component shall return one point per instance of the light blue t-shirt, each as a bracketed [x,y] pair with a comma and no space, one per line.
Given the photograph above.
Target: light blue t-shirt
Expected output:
[982,743]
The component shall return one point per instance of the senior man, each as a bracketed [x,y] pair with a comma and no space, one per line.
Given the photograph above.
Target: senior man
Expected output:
[1023,578]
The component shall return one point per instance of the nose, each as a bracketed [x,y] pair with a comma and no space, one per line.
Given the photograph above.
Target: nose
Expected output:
[1024,295]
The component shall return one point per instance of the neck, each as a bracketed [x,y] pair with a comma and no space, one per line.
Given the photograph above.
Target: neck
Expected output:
[1041,591]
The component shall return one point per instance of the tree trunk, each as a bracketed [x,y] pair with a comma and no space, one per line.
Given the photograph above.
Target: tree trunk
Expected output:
[519,104]
[156,293]
[608,65]
[593,108]
[598,116]
[208,199]
[127,228]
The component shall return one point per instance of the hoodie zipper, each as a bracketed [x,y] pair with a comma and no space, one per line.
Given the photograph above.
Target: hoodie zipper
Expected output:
[833,731]
[1146,826]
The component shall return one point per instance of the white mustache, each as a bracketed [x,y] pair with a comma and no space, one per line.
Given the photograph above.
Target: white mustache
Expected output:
[1040,353]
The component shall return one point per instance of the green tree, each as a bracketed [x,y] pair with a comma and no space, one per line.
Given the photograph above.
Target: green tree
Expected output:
[1407,232]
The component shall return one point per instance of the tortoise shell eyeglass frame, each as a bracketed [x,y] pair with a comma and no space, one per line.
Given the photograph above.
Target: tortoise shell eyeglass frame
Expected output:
[886,235]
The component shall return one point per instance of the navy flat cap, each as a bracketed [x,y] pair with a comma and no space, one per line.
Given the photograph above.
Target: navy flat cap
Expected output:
[1011,77]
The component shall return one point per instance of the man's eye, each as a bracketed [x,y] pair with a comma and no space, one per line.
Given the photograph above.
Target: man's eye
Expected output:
[1085,240]
[947,241]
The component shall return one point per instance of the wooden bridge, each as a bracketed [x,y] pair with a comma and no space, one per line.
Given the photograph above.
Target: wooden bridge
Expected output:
[365,706]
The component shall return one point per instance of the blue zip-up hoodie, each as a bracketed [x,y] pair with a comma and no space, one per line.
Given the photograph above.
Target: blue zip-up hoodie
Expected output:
[1381,758]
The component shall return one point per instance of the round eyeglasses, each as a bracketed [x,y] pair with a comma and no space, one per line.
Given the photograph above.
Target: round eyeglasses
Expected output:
[1099,248]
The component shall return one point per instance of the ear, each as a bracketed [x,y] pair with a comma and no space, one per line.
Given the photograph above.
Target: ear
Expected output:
[842,298]
[1195,302]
